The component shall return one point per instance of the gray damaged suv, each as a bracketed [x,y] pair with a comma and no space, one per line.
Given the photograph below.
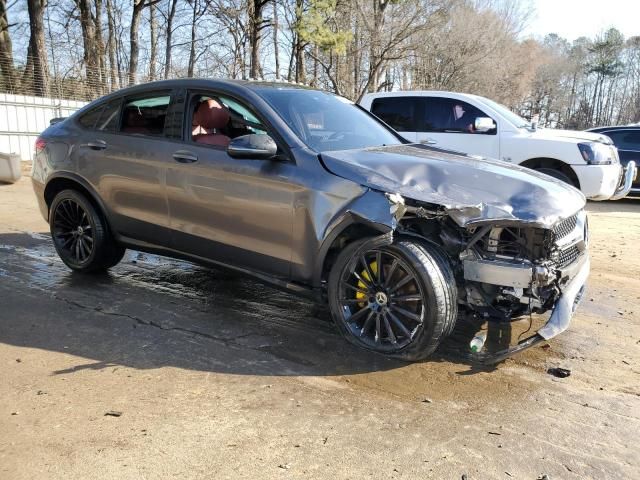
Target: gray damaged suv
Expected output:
[305,190]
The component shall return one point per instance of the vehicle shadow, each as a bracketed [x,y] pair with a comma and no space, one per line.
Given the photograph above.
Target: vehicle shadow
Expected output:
[151,311]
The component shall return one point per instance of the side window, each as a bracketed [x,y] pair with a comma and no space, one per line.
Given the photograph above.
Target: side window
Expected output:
[109,118]
[451,116]
[398,112]
[625,139]
[145,115]
[89,119]
[216,120]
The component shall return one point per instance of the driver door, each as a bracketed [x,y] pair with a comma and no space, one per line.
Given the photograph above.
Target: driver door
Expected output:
[234,211]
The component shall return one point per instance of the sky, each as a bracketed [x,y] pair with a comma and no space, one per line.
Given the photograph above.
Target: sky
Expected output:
[576,18]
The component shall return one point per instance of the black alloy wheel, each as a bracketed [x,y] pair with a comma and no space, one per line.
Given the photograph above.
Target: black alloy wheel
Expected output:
[399,300]
[81,235]
[72,231]
[381,300]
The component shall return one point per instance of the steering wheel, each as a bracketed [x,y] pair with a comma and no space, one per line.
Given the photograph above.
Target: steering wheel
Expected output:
[336,136]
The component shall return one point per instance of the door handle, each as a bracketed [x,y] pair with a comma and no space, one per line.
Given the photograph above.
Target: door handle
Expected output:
[185,157]
[428,141]
[97,145]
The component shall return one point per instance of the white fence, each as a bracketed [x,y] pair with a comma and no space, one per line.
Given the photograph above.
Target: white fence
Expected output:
[22,118]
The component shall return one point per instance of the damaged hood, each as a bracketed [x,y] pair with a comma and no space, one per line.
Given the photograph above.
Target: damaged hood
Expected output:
[471,190]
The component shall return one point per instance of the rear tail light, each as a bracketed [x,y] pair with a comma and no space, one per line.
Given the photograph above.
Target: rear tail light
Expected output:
[39,145]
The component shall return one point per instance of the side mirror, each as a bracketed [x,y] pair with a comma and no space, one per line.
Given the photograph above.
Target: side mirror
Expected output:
[483,124]
[254,147]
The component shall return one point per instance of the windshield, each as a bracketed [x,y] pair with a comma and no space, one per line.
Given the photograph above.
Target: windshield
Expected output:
[326,122]
[514,118]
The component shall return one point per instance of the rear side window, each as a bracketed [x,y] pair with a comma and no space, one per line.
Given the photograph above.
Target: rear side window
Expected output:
[397,112]
[109,117]
[625,139]
[89,119]
[451,116]
[145,115]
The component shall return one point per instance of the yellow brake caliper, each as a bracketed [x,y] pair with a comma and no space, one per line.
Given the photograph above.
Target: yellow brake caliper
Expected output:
[359,295]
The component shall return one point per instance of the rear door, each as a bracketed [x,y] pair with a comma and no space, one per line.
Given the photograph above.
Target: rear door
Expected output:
[125,156]
[449,123]
[400,113]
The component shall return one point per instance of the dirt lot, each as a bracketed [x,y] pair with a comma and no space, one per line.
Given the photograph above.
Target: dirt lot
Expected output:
[216,376]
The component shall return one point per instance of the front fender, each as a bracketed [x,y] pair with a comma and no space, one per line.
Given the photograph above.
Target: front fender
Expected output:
[372,210]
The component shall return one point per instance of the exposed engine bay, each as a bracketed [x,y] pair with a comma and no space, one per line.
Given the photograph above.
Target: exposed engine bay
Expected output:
[504,270]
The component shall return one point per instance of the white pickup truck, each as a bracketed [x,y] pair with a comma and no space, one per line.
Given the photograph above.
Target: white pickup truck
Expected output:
[479,126]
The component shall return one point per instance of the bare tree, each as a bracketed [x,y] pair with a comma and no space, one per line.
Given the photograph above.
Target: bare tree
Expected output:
[134,47]
[37,70]
[153,29]
[169,36]
[6,50]
[256,25]
[112,45]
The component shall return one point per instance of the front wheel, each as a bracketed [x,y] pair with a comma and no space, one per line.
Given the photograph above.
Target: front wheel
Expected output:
[399,300]
[552,172]
[81,235]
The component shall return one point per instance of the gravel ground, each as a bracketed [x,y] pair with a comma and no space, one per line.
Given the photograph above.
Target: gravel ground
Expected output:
[163,369]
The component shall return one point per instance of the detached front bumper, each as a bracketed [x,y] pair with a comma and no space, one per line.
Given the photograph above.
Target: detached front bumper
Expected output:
[574,277]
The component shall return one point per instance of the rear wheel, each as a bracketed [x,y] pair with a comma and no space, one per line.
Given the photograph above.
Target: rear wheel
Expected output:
[81,235]
[399,300]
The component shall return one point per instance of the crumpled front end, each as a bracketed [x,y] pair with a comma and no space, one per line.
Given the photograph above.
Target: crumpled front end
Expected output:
[507,271]
[512,271]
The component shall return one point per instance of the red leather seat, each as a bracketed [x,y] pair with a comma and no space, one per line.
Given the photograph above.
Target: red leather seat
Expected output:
[208,118]
[135,122]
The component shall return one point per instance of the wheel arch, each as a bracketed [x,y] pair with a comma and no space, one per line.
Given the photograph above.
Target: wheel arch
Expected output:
[71,181]
[348,229]
[552,163]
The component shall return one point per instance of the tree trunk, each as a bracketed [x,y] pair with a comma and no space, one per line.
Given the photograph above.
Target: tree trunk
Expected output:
[111,46]
[90,52]
[102,63]
[6,51]
[255,34]
[153,28]
[192,49]
[168,46]
[299,46]
[134,49]
[37,53]
[276,50]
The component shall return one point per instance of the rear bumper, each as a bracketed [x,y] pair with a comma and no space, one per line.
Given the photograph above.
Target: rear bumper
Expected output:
[38,188]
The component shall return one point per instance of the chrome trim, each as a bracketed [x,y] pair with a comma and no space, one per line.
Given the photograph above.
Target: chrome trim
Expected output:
[577,234]
[629,176]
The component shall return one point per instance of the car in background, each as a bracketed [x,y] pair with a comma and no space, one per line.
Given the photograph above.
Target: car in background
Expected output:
[627,141]
[305,190]
[479,126]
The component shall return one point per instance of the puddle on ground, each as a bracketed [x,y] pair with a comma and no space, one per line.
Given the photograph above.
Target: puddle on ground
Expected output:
[217,290]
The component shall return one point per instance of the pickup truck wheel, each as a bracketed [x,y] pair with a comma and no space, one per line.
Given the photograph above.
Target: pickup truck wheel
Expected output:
[399,300]
[552,172]
[80,234]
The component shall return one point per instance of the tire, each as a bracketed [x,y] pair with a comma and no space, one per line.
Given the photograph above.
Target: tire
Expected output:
[81,235]
[426,321]
[552,172]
